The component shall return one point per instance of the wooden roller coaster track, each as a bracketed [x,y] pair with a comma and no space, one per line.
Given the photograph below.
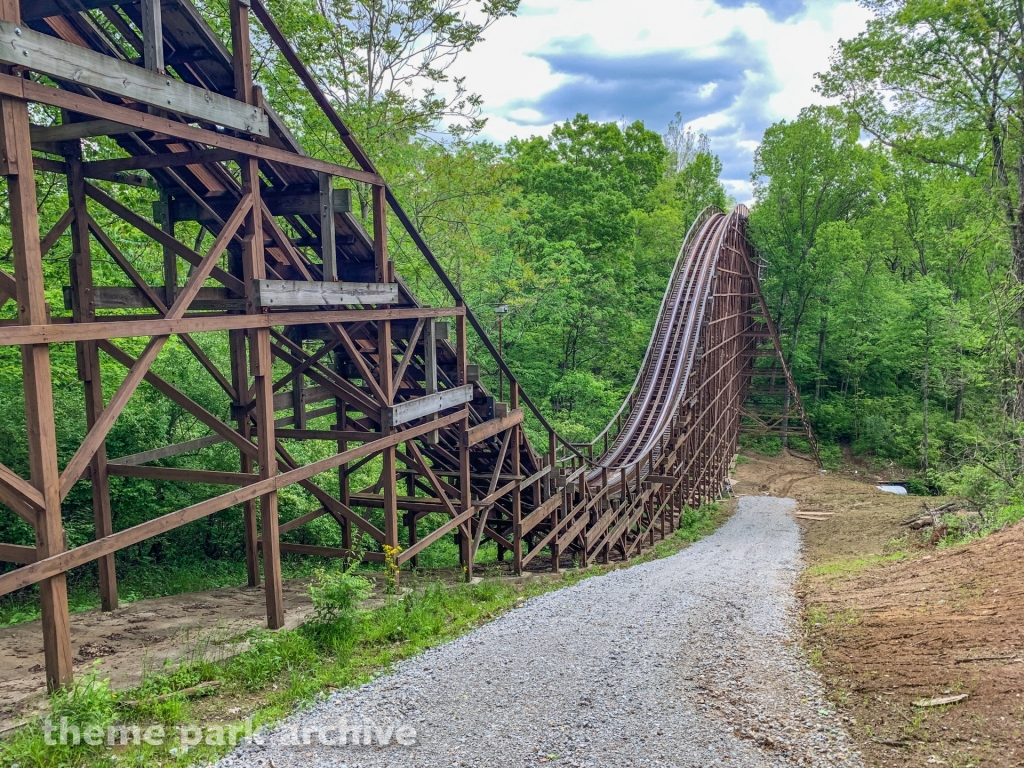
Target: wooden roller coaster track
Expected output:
[318,325]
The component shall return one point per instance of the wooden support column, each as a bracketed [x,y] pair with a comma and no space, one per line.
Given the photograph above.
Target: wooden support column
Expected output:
[555,516]
[517,494]
[16,149]
[88,359]
[385,365]
[254,268]
[153,36]
[328,243]
[430,369]
[166,221]
[465,488]
[240,381]
[344,488]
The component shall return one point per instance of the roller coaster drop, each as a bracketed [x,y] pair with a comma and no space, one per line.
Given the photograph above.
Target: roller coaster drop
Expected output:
[318,324]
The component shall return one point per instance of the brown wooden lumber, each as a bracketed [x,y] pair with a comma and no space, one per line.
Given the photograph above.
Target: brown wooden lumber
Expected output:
[178,475]
[310,549]
[16,553]
[104,168]
[410,410]
[166,240]
[426,541]
[43,94]
[304,293]
[490,428]
[129,297]
[167,451]
[95,437]
[51,566]
[22,487]
[534,518]
[57,333]
[62,60]
[301,520]
[51,134]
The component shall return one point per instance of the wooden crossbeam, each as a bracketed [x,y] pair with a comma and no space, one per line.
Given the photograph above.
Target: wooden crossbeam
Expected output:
[62,332]
[64,561]
[305,293]
[400,413]
[490,428]
[56,97]
[62,60]
[74,468]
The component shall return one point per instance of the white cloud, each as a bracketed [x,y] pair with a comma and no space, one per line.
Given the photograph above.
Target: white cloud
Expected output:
[776,53]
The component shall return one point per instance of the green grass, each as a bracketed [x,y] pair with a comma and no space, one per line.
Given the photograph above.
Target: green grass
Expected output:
[286,669]
[851,566]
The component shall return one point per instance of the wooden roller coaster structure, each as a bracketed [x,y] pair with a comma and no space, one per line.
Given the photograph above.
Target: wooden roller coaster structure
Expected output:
[318,325]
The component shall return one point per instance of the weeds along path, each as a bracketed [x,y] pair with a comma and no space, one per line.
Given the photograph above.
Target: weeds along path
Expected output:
[686,661]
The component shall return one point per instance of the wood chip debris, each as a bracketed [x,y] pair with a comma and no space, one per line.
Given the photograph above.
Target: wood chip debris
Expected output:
[941,701]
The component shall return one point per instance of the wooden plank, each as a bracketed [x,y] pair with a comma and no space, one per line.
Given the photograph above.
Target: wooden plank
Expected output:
[51,134]
[16,151]
[44,94]
[22,487]
[283,400]
[310,549]
[533,519]
[280,204]
[493,427]
[167,451]
[40,9]
[305,293]
[327,208]
[535,477]
[152,36]
[400,413]
[57,333]
[430,538]
[106,168]
[178,475]
[62,60]
[16,553]
[130,297]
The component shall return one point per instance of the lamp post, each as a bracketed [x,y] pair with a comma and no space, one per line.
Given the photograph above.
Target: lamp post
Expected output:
[501,310]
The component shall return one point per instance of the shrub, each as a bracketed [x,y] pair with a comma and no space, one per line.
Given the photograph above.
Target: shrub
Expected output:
[336,596]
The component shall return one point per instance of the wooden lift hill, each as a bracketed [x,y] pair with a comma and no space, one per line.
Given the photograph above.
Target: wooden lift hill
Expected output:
[291,281]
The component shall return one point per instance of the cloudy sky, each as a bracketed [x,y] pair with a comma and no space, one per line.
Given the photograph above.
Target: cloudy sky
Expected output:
[730,67]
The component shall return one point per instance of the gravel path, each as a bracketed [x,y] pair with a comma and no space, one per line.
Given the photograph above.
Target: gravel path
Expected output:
[685,661]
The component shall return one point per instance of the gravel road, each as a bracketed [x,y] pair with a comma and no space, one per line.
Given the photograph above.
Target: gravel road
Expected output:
[686,661]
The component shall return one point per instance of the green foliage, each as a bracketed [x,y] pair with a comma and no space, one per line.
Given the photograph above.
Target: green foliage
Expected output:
[336,596]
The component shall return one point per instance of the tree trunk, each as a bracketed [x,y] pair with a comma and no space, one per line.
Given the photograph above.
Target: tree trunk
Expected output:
[821,357]
[924,409]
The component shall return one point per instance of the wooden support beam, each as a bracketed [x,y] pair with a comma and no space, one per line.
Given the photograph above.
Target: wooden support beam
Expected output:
[167,451]
[303,293]
[410,410]
[128,297]
[430,339]
[44,94]
[178,475]
[279,203]
[52,134]
[23,46]
[120,328]
[48,567]
[152,36]
[493,427]
[16,161]
[16,553]
[327,208]
[87,354]
[106,168]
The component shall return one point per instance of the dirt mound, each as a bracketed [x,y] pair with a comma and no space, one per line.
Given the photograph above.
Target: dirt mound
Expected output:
[945,623]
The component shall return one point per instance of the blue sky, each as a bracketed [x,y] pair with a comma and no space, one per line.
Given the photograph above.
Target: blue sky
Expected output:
[730,67]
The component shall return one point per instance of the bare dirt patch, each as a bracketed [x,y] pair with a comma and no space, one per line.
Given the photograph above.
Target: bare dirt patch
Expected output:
[890,625]
[137,637]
